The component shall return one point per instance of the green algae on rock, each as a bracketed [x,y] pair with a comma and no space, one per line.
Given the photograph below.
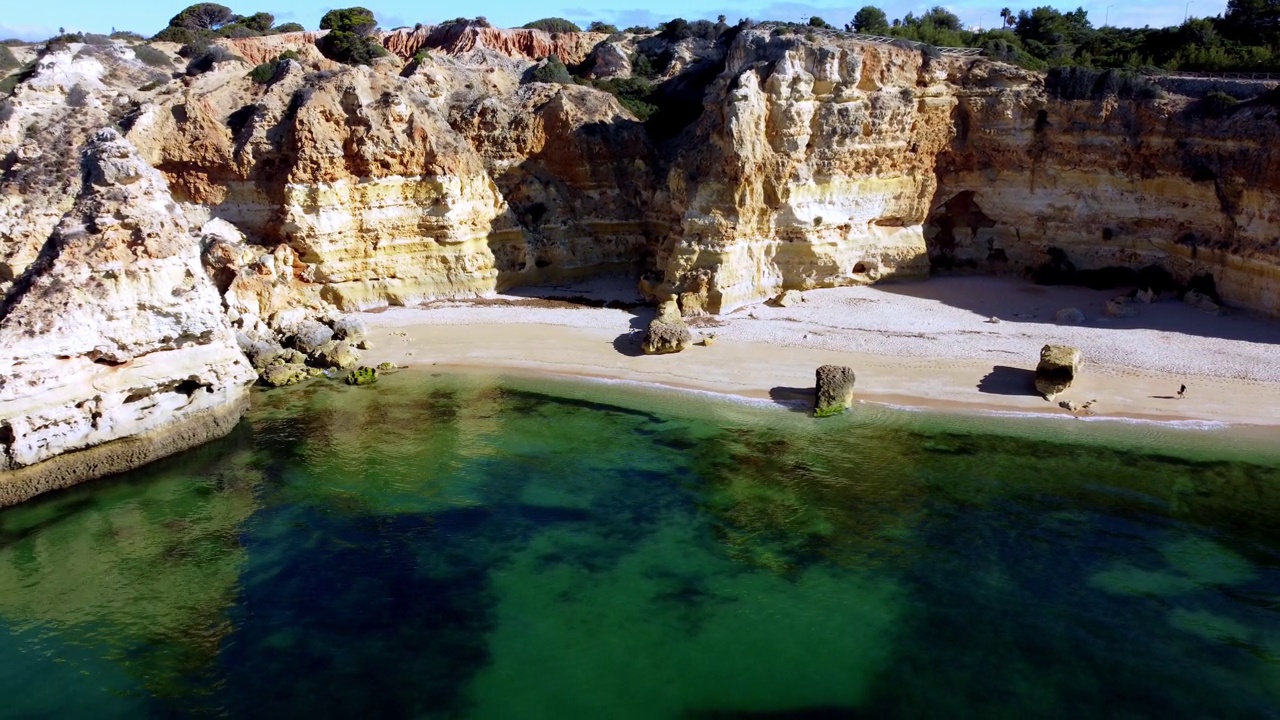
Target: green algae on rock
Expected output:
[834,390]
[362,376]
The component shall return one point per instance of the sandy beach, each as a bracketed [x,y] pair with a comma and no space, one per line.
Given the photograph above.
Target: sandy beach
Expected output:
[925,344]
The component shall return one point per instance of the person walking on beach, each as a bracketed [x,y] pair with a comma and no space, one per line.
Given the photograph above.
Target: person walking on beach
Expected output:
[1182,391]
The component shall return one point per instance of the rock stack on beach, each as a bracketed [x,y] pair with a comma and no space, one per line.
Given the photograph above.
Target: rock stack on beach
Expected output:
[1058,367]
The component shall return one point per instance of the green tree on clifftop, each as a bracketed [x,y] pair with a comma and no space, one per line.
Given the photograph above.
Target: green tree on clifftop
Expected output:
[871,20]
[350,38]
[203,16]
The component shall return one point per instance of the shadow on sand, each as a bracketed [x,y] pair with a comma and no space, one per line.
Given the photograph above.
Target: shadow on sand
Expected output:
[1021,301]
[629,342]
[1005,380]
[793,398]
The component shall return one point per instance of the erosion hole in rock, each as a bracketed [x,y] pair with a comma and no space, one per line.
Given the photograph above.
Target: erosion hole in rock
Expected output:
[541,263]
[100,360]
[190,386]
[1108,233]
[956,217]
[6,437]
[859,269]
[1042,120]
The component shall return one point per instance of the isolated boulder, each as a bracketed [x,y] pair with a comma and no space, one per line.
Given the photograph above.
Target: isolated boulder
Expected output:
[362,376]
[1059,365]
[1069,316]
[834,390]
[788,298]
[668,332]
[1201,301]
[1121,307]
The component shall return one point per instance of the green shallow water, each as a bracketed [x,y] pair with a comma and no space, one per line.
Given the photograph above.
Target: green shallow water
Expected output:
[479,547]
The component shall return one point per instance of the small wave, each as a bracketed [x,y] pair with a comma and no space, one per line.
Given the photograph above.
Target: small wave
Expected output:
[1179,424]
[1023,414]
[663,387]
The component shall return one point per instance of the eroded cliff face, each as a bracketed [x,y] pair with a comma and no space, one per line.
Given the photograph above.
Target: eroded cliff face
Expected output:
[1110,183]
[115,347]
[447,178]
[812,166]
[462,38]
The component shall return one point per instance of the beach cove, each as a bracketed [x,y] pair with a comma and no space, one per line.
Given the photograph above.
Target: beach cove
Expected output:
[928,345]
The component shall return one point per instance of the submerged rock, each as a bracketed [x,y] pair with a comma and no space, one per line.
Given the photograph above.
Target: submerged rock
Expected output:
[668,332]
[362,376]
[1058,367]
[286,374]
[834,390]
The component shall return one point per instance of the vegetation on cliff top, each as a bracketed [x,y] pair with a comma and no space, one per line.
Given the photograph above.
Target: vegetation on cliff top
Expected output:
[1245,38]
[206,21]
[350,39]
[553,25]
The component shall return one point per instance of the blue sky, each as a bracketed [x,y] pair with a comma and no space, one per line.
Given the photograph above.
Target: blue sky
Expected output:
[39,20]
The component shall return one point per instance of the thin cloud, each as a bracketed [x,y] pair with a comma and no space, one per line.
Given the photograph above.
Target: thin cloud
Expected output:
[29,33]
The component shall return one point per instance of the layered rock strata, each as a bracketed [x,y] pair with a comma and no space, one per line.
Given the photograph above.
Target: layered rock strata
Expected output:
[812,166]
[114,342]
[1110,184]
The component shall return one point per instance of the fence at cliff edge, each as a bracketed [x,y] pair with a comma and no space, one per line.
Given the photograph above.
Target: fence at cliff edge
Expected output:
[958,51]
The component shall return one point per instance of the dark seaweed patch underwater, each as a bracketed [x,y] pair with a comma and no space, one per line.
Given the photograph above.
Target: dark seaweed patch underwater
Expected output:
[476,547]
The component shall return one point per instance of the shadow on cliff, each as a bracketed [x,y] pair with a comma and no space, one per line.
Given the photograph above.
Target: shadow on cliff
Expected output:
[1005,380]
[1012,300]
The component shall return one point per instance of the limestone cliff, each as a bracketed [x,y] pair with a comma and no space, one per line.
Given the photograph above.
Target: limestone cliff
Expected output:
[114,342]
[772,161]
[812,166]
[452,178]
[1110,183]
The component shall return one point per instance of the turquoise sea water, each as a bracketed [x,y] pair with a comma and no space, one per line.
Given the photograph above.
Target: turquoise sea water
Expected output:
[469,546]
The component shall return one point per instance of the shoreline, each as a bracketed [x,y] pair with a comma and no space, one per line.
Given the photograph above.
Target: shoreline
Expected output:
[770,354]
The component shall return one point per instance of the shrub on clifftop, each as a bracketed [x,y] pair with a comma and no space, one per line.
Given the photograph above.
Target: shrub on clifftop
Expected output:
[553,25]
[350,38]
[357,20]
[551,70]
[203,16]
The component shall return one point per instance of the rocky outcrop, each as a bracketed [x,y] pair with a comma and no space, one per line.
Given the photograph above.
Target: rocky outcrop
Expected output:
[463,37]
[667,332]
[1059,365]
[116,348]
[834,390]
[812,166]
[258,50]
